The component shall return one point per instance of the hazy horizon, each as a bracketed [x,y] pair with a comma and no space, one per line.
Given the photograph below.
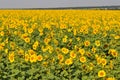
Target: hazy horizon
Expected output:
[56,3]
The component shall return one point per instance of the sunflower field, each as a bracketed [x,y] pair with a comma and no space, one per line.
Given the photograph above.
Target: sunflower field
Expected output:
[59,45]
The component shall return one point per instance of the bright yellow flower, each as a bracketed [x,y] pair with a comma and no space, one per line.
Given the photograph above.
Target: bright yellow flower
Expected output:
[98,60]
[25,35]
[55,42]
[34,47]
[2,33]
[49,48]
[68,61]
[113,52]
[27,40]
[36,43]
[101,73]
[46,40]
[44,49]
[116,37]
[11,57]
[6,50]
[72,54]
[95,31]
[103,61]
[65,50]
[64,40]
[30,30]
[26,57]
[83,59]
[82,51]
[97,43]
[45,64]
[78,38]
[74,32]
[93,50]
[87,43]
[60,57]
[21,52]
[31,52]
[2,46]
[33,58]
[39,58]
[110,78]
[12,45]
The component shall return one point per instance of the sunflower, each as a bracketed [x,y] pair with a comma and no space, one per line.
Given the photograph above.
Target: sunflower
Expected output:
[98,60]
[82,51]
[93,50]
[34,47]
[26,57]
[110,78]
[87,43]
[74,32]
[30,30]
[97,43]
[36,43]
[60,57]
[113,52]
[117,37]
[21,52]
[68,61]
[83,59]
[55,42]
[65,50]
[31,52]
[12,45]
[2,33]
[27,40]
[103,61]
[64,40]
[46,40]
[72,54]
[2,46]
[11,57]
[6,51]
[25,35]
[39,58]
[101,73]
[33,58]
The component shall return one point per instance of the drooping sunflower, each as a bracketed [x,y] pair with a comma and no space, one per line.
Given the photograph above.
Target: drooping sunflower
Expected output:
[60,57]
[26,57]
[11,57]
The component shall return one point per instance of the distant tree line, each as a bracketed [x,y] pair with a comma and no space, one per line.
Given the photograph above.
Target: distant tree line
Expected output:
[91,7]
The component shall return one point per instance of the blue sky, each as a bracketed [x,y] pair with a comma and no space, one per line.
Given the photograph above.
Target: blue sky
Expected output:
[55,3]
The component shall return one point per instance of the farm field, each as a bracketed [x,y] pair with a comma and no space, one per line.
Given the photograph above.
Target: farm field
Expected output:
[59,45]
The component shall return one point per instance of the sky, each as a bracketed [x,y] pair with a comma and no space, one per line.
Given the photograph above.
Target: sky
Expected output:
[55,3]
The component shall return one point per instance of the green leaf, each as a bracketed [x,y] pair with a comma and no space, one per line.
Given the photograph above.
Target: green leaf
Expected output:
[50,76]
[84,78]
[4,76]
[21,78]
